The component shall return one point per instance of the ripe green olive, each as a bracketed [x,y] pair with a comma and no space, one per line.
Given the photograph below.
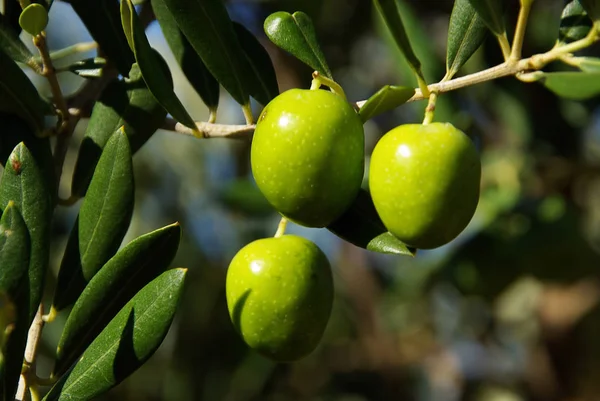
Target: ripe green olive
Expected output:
[279,295]
[307,155]
[424,181]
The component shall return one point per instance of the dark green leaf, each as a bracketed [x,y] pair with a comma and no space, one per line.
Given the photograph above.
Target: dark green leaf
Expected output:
[207,26]
[574,22]
[11,44]
[128,103]
[492,13]
[388,9]
[593,9]
[14,262]
[11,13]
[34,19]
[126,342]
[263,85]
[191,64]
[360,225]
[573,85]
[102,222]
[134,266]
[589,64]
[24,182]
[88,68]
[19,96]
[243,196]
[101,18]
[385,99]
[152,66]
[296,34]
[465,35]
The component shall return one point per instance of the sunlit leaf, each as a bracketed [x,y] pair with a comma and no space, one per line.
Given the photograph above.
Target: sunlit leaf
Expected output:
[34,19]
[88,68]
[573,85]
[492,13]
[385,99]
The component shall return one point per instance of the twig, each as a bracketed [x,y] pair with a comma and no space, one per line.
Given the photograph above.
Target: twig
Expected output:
[33,339]
[209,130]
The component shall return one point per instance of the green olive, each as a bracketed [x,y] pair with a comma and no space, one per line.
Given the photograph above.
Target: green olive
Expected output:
[279,294]
[424,180]
[308,155]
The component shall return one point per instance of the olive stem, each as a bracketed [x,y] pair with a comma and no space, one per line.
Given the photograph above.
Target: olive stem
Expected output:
[212,116]
[517,45]
[281,227]
[334,86]
[504,45]
[430,109]
[248,114]
[315,84]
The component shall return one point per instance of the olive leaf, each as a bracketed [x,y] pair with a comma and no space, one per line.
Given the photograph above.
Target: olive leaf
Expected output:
[191,64]
[295,33]
[124,103]
[243,196]
[34,19]
[102,222]
[573,85]
[88,68]
[385,99]
[466,33]
[101,18]
[134,266]
[360,225]
[575,23]
[388,9]
[13,47]
[492,13]
[593,9]
[207,27]
[263,86]
[126,343]
[152,66]
[589,64]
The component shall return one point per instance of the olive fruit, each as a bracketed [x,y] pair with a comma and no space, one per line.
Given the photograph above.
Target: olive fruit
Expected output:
[279,295]
[424,181]
[307,155]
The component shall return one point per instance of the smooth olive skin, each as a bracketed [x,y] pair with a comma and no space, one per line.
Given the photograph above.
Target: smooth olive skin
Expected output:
[279,295]
[425,180]
[307,155]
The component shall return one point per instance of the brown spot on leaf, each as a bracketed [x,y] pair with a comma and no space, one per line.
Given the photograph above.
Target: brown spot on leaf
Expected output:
[16,165]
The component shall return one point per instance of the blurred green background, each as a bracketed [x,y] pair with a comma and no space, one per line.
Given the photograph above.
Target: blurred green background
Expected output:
[509,311]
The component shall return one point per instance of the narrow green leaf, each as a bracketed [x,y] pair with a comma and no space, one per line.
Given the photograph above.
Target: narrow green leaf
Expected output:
[134,266]
[385,99]
[14,263]
[263,85]
[152,66]
[295,33]
[102,222]
[11,44]
[573,85]
[360,225]
[101,18]
[589,64]
[88,68]
[593,9]
[465,35]
[388,9]
[207,26]
[492,13]
[575,23]
[128,103]
[126,343]
[243,196]
[34,19]
[191,64]
[19,96]
[24,182]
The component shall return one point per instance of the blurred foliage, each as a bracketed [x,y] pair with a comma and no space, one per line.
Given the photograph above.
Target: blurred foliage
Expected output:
[508,311]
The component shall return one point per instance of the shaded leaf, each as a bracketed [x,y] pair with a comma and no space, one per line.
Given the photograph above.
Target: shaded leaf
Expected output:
[191,64]
[34,19]
[207,26]
[11,44]
[126,273]
[152,66]
[126,342]
[360,225]
[465,35]
[573,85]
[19,96]
[124,103]
[388,9]
[14,263]
[574,23]
[243,196]
[492,13]
[385,99]
[102,19]
[295,33]
[263,85]
[593,9]
[102,222]
[11,13]
[24,182]
[88,68]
